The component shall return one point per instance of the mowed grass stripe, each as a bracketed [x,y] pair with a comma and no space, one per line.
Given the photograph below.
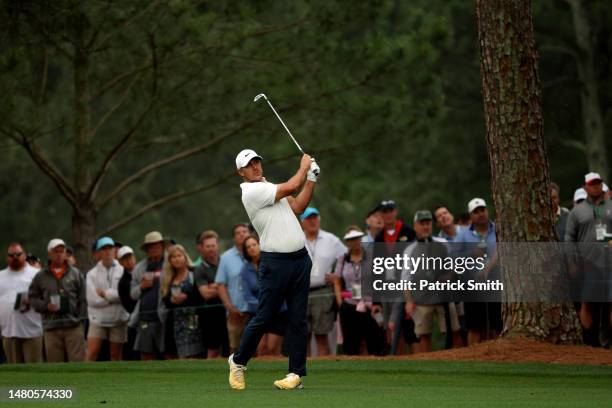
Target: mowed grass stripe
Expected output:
[342,383]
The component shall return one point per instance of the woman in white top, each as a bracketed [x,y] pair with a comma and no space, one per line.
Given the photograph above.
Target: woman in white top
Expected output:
[107,317]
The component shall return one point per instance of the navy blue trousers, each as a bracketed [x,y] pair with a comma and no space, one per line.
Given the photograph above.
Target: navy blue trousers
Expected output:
[283,277]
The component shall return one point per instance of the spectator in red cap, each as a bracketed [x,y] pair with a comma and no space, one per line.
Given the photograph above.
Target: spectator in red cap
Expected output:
[396,231]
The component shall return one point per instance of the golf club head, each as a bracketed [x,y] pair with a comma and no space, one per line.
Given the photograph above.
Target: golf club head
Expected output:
[258,97]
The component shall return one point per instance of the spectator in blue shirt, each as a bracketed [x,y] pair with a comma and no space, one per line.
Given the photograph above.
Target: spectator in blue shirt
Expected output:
[230,286]
[483,319]
[446,222]
[271,342]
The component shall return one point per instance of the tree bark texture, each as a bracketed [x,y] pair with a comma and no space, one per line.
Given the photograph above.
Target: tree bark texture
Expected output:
[84,220]
[519,166]
[592,117]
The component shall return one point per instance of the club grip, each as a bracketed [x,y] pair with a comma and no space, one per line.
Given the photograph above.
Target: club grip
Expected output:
[316,172]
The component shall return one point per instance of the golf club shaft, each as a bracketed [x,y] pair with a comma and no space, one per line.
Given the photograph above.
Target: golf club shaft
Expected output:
[285,126]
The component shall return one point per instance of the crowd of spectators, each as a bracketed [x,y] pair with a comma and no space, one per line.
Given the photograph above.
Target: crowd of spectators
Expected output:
[167,306]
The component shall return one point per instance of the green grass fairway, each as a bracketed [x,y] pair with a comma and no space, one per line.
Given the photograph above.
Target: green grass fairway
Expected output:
[347,384]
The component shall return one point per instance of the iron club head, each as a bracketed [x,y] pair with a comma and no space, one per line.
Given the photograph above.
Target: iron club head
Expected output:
[258,97]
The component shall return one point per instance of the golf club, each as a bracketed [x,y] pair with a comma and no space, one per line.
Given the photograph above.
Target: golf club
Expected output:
[258,97]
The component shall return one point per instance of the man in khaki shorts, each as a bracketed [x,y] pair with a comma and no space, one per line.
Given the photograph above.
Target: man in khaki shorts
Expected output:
[423,306]
[107,317]
[324,249]
[229,282]
[58,294]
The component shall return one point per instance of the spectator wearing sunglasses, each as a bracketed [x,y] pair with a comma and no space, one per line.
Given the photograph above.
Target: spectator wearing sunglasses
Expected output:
[21,325]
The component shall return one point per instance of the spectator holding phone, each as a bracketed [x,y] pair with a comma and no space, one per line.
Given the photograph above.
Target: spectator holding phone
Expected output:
[58,294]
[21,325]
[356,312]
[181,296]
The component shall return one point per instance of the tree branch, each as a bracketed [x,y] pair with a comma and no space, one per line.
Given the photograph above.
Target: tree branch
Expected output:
[40,26]
[95,185]
[174,158]
[198,149]
[116,80]
[184,193]
[159,141]
[275,29]
[114,108]
[163,201]
[43,163]
[126,23]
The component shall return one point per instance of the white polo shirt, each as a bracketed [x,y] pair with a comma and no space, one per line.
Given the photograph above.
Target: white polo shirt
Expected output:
[324,250]
[278,228]
[14,323]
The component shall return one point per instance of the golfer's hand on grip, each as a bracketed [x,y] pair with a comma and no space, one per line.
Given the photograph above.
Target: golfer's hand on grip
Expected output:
[305,162]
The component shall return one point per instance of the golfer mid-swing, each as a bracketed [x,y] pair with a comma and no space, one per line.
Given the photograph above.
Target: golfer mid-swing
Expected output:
[284,267]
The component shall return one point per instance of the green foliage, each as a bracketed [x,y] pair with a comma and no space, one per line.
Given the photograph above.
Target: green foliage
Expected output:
[385,94]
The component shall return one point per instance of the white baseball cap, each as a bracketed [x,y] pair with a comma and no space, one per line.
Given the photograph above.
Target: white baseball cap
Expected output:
[591,177]
[244,157]
[123,251]
[580,194]
[54,243]
[352,234]
[605,188]
[475,203]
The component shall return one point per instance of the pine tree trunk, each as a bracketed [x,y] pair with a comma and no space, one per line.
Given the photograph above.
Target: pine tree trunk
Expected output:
[519,165]
[592,118]
[84,211]
[83,235]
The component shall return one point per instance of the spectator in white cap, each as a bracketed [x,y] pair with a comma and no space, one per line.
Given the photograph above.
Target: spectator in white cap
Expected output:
[107,317]
[591,221]
[58,294]
[579,196]
[357,312]
[150,311]
[127,259]
[21,326]
[483,319]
